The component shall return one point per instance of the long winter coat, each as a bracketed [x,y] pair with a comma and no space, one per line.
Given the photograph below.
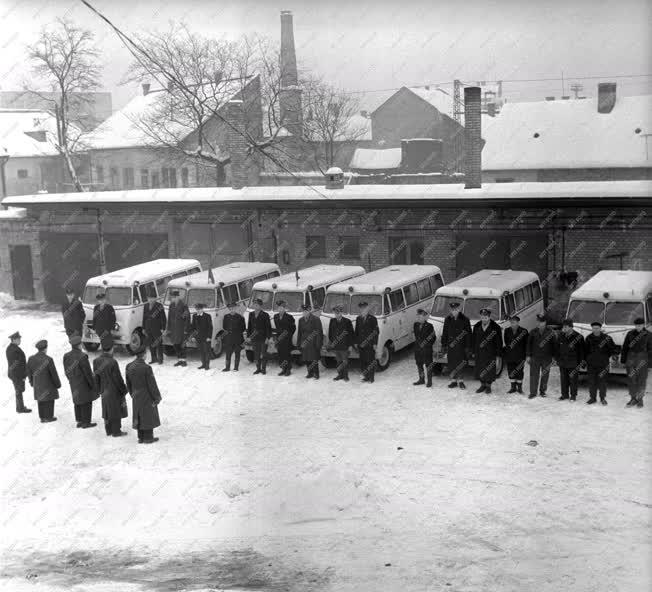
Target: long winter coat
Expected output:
[341,335]
[487,346]
[542,345]
[104,321]
[598,349]
[637,348]
[310,338]
[16,365]
[234,328]
[73,316]
[570,350]
[515,345]
[285,328]
[456,340]
[42,375]
[366,331]
[201,327]
[154,321]
[80,377]
[110,386]
[259,327]
[178,322]
[144,394]
[424,339]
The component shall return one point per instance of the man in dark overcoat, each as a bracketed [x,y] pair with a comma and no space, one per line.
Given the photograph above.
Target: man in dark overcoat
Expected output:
[366,340]
[341,337]
[310,338]
[154,321]
[113,391]
[42,375]
[424,340]
[233,326]
[201,328]
[73,314]
[17,370]
[145,397]
[259,332]
[456,339]
[636,355]
[178,323]
[541,351]
[82,382]
[285,326]
[598,349]
[514,353]
[487,349]
[570,356]
[103,320]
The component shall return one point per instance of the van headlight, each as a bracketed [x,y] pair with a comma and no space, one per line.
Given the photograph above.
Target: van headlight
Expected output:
[116,327]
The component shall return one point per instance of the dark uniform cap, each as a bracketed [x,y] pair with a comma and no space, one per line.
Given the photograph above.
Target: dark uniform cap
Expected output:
[363,304]
[15,335]
[232,304]
[107,347]
[454,305]
[280,303]
[639,321]
[567,323]
[338,308]
[596,324]
[485,311]
[75,339]
[305,307]
[100,296]
[199,305]
[258,301]
[541,317]
[514,318]
[174,292]
[41,344]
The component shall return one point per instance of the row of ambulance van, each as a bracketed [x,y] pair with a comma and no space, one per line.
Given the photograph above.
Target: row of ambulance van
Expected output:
[394,293]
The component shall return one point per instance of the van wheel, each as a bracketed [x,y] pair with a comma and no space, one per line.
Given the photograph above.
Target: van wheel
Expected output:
[218,346]
[135,342]
[90,346]
[169,350]
[249,354]
[385,357]
[499,367]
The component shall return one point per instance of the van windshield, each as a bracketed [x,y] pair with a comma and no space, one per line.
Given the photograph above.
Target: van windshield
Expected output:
[114,296]
[441,305]
[168,298]
[337,299]
[205,296]
[622,313]
[586,311]
[293,300]
[350,303]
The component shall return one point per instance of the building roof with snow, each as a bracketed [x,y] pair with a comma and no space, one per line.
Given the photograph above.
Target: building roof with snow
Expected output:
[569,134]
[28,132]
[373,159]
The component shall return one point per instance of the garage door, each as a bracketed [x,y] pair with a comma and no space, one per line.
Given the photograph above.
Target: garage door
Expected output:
[213,244]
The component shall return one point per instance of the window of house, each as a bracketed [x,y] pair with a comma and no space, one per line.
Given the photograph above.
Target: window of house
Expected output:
[156,182]
[173,177]
[144,178]
[99,173]
[504,179]
[128,177]
[114,177]
[411,294]
[165,177]
[23,173]
[349,247]
[397,300]
[184,177]
[315,247]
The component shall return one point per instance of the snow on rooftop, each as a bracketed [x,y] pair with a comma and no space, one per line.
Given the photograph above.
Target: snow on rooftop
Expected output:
[441,99]
[376,159]
[569,134]
[15,124]
[13,214]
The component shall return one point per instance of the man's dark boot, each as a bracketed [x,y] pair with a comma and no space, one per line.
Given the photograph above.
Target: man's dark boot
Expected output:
[603,401]
[519,388]
[591,401]
[639,403]
[481,388]
[453,384]
[461,385]
[420,381]
[226,369]
[488,389]
[512,388]
[563,398]
[429,379]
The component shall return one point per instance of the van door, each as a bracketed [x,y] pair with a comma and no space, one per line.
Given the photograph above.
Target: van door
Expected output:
[397,318]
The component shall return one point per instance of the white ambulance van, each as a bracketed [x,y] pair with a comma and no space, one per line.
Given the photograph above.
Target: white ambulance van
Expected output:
[229,283]
[126,290]
[614,298]
[503,291]
[394,294]
[305,286]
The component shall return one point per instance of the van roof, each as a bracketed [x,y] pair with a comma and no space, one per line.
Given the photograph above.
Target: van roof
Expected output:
[391,277]
[228,274]
[619,284]
[489,282]
[143,272]
[315,276]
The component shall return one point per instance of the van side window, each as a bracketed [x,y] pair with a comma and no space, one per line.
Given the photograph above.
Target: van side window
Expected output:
[536,289]
[425,291]
[648,309]
[193,270]
[230,293]
[529,295]
[436,282]
[219,303]
[179,274]
[135,298]
[411,294]
[259,278]
[274,273]
[245,288]
[397,300]
[519,297]
[145,289]
[508,306]
[318,297]
[386,308]
[161,285]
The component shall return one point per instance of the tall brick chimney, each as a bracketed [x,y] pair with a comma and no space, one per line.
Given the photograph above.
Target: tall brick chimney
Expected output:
[236,143]
[290,93]
[146,86]
[606,96]
[472,138]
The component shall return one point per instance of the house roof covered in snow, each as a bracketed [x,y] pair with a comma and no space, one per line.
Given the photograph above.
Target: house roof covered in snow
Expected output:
[439,98]
[374,159]
[28,132]
[569,134]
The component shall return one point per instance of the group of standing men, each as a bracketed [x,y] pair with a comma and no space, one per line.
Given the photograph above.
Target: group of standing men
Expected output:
[539,349]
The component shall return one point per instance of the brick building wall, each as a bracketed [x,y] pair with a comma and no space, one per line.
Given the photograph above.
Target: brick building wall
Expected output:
[20,233]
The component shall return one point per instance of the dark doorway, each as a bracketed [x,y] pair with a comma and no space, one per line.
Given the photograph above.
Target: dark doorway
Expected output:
[21,271]
[405,251]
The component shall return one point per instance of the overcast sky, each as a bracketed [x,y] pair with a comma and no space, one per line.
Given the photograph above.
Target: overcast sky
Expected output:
[378,44]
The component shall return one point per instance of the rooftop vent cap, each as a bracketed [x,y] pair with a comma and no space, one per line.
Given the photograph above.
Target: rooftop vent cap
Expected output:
[334,178]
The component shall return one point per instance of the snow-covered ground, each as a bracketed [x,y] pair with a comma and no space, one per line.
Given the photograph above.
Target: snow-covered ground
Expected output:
[270,483]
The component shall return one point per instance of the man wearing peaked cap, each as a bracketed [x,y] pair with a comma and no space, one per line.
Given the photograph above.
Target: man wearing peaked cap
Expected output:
[514,353]
[103,320]
[285,327]
[259,333]
[366,340]
[145,397]
[178,324]
[154,320]
[598,349]
[541,351]
[82,382]
[424,341]
[43,377]
[310,337]
[233,327]
[202,330]
[112,389]
[340,340]
[487,349]
[636,355]
[17,370]
[73,314]
[456,340]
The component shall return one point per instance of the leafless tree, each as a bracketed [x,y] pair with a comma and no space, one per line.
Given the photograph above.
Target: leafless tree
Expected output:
[65,58]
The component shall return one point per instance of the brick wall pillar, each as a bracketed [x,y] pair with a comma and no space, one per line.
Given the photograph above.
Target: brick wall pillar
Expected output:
[236,142]
[472,137]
